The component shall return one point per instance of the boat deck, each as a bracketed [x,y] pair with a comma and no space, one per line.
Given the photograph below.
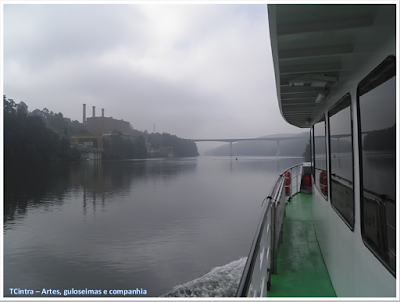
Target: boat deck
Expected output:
[301,269]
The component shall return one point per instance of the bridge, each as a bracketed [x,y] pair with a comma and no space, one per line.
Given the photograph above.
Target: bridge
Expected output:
[234,140]
[277,139]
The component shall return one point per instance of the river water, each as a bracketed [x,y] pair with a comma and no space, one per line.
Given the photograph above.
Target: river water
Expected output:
[139,228]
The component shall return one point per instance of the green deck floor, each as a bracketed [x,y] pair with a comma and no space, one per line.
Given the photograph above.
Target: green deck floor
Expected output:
[301,268]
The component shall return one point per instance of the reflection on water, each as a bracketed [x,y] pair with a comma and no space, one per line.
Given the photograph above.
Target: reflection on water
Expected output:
[380,172]
[150,224]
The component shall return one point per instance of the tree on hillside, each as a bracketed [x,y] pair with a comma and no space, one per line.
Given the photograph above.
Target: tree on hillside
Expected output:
[26,138]
[182,147]
[58,122]
[118,147]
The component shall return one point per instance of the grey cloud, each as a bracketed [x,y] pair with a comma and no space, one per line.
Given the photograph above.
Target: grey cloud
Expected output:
[42,34]
[194,70]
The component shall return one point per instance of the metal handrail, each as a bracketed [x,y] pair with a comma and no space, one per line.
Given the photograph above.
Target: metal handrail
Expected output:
[245,281]
[272,200]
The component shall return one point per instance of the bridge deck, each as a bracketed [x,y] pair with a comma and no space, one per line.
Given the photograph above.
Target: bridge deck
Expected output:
[301,268]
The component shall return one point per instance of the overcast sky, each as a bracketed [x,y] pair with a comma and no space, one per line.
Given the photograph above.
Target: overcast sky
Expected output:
[196,71]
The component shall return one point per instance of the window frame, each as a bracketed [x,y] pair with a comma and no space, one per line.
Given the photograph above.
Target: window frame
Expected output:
[312,151]
[378,76]
[347,96]
[315,168]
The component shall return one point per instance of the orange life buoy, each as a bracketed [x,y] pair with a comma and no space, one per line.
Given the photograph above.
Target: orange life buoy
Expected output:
[287,182]
[323,183]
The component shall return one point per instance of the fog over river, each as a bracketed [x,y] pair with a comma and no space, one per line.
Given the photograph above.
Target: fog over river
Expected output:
[139,228]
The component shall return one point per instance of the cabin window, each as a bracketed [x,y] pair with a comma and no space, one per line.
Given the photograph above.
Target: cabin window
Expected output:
[320,177]
[377,118]
[341,163]
[312,150]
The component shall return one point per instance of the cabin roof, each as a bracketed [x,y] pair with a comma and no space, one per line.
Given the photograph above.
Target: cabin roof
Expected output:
[314,47]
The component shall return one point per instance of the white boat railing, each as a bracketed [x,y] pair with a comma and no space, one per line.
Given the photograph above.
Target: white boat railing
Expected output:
[262,259]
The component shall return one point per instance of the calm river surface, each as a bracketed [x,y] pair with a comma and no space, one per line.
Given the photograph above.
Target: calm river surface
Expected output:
[148,225]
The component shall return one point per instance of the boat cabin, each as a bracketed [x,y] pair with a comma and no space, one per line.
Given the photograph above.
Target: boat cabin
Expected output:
[335,71]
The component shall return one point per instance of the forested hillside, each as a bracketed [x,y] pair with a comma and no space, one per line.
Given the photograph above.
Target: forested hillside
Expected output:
[182,147]
[42,136]
[27,139]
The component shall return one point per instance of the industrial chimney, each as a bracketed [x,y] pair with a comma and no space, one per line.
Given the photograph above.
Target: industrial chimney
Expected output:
[102,112]
[93,122]
[84,115]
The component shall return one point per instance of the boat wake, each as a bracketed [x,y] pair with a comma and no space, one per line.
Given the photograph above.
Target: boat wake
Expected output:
[221,281]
